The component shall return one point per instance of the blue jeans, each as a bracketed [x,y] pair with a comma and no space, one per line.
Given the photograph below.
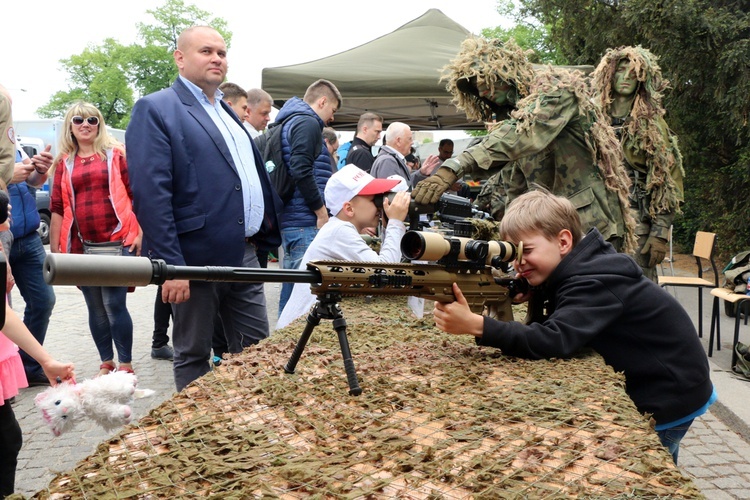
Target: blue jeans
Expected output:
[294,242]
[27,260]
[109,320]
[671,438]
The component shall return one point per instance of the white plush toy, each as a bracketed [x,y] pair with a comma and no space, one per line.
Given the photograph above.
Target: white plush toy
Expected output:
[105,399]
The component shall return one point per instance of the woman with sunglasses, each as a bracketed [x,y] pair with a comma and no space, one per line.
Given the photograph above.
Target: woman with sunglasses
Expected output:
[91,201]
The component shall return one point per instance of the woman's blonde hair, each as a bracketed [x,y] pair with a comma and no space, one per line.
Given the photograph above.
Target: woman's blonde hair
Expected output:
[103,141]
[540,211]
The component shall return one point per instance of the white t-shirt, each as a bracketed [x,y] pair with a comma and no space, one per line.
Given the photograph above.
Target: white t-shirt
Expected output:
[339,240]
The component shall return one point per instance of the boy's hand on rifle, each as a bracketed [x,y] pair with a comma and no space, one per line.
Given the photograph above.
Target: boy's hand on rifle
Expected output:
[520,297]
[456,317]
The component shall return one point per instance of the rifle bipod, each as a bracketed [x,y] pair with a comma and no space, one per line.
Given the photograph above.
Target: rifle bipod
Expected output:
[327,307]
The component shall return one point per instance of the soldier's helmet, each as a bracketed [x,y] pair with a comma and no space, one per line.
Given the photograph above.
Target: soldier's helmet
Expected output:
[487,62]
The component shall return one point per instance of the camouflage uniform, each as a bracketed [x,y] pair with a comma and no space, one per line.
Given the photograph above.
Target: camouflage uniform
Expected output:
[555,137]
[546,144]
[7,140]
[652,157]
[640,196]
[491,197]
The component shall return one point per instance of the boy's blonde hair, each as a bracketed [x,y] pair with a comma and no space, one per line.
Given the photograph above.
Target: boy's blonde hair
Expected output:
[540,211]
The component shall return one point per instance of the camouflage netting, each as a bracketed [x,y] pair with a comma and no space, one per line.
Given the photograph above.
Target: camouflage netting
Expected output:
[439,418]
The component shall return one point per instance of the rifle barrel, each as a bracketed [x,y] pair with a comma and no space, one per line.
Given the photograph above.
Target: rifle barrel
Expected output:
[100,270]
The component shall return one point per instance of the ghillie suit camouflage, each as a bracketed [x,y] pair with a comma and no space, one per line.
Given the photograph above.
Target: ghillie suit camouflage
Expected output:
[491,197]
[491,63]
[652,156]
[556,137]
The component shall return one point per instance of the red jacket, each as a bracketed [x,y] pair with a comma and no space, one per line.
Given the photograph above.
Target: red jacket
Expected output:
[127,228]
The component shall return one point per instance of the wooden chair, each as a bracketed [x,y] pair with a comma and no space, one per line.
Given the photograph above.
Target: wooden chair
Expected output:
[703,250]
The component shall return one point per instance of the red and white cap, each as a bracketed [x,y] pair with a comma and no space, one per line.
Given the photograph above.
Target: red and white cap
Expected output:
[352,181]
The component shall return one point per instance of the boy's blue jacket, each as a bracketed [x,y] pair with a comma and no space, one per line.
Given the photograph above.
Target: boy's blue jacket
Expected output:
[599,298]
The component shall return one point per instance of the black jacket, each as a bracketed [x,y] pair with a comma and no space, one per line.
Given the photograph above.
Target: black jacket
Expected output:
[360,154]
[600,299]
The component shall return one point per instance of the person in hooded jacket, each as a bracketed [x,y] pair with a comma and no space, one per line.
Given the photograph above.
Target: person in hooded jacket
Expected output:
[598,299]
[309,165]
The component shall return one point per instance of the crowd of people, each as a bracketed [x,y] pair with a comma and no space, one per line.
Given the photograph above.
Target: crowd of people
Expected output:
[585,172]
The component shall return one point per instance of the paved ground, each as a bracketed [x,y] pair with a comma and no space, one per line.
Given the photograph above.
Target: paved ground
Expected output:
[715,452]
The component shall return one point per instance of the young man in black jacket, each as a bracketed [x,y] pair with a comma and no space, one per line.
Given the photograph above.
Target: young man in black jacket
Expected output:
[599,299]
[369,128]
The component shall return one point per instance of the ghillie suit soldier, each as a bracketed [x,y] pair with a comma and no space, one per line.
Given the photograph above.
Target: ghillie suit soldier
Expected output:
[555,138]
[628,84]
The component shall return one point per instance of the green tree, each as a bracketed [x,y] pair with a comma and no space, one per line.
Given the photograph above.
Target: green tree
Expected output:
[704,49]
[112,75]
[96,76]
[528,33]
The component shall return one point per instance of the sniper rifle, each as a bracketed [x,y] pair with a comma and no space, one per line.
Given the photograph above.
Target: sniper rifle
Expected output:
[468,263]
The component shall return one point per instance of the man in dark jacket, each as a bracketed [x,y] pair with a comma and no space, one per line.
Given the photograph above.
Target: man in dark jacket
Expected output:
[598,299]
[309,166]
[369,128]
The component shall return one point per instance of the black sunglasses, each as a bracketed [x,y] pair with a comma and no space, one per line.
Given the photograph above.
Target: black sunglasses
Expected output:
[78,120]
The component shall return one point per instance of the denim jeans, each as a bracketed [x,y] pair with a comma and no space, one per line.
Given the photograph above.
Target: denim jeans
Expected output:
[294,243]
[109,320]
[27,260]
[671,438]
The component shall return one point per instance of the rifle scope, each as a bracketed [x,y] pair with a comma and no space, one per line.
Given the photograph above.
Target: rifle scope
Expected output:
[425,245]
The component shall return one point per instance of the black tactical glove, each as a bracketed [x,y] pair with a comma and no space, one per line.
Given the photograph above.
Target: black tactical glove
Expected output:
[428,191]
[656,248]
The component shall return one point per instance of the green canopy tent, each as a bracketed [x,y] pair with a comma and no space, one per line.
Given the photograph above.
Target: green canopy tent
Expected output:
[396,76]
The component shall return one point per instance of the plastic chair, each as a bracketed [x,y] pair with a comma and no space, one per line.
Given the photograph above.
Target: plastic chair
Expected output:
[703,249]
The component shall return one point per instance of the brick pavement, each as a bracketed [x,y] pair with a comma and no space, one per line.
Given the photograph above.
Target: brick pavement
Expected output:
[715,451]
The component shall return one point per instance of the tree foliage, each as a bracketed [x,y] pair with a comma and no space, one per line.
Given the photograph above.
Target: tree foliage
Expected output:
[153,69]
[96,76]
[704,49]
[528,33]
[112,75]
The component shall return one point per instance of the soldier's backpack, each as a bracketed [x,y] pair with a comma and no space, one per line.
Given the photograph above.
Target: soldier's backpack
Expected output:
[269,145]
[742,365]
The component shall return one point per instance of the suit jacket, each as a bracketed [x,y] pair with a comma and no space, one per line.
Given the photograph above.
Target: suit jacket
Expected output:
[187,193]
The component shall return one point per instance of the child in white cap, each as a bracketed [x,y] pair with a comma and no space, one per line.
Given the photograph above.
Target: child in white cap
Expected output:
[350,194]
